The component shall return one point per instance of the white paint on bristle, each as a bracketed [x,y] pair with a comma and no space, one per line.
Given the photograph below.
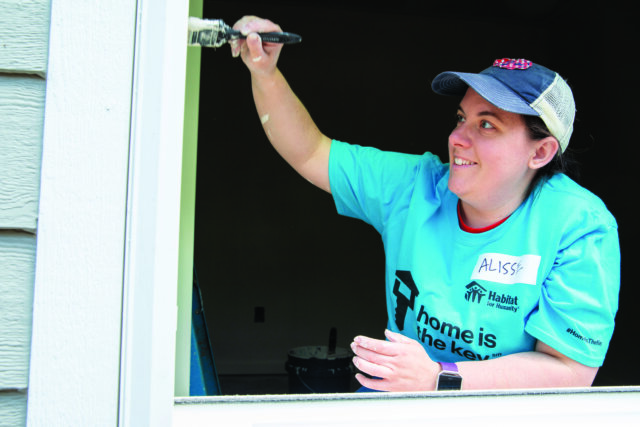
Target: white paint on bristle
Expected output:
[216,26]
[197,24]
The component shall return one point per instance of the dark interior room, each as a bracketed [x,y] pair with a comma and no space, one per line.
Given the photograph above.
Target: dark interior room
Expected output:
[278,267]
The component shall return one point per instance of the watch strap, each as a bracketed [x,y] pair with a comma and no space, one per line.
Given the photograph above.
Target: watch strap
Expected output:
[447,366]
[449,378]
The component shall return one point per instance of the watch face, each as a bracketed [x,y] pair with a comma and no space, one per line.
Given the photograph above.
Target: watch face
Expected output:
[449,381]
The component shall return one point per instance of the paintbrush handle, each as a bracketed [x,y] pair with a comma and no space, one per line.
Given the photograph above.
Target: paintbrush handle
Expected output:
[284,38]
[215,33]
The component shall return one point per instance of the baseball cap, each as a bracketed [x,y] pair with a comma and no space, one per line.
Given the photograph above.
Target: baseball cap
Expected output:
[518,86]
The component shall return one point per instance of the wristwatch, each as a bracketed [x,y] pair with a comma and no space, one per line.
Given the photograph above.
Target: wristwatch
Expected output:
[449,378]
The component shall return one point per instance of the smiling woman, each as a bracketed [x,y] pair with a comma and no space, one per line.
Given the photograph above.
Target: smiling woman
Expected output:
[492,160]
[438,221]
[516,90]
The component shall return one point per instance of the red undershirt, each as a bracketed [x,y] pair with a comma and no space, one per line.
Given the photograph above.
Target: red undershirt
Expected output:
[468,229]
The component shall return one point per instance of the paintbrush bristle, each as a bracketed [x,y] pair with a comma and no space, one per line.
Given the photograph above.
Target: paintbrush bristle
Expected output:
[207,32]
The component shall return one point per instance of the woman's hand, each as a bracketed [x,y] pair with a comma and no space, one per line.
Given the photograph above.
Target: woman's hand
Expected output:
[261,58]
[401,363]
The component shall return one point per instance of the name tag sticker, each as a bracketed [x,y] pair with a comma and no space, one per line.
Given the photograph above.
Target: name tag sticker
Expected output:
[507,269]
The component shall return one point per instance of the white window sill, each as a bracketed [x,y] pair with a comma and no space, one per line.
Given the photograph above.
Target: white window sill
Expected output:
[589,406]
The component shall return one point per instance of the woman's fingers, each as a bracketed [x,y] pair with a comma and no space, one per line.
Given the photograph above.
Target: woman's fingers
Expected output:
[259,57]
[400,363]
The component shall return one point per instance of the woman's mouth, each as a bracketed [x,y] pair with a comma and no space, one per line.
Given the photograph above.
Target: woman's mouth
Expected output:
[462,162]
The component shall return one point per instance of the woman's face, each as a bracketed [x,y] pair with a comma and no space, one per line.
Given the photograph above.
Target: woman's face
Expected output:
[489,155]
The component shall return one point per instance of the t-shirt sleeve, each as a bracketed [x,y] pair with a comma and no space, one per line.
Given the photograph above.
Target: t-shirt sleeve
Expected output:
[369,184]
[579,298]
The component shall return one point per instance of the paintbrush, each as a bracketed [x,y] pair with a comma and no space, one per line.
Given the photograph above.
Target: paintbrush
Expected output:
[215,33]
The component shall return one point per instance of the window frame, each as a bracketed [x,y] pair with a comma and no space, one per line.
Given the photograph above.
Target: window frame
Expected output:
[190,411]
[137,385]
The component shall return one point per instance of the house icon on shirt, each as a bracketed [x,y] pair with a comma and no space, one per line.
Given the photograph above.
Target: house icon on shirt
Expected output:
[475,292]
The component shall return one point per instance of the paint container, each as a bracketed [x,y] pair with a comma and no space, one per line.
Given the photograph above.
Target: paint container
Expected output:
[319,369]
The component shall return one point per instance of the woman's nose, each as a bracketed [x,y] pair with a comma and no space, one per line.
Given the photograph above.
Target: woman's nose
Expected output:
[459,137]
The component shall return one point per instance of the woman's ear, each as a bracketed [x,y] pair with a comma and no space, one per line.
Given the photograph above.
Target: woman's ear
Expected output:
[546,149]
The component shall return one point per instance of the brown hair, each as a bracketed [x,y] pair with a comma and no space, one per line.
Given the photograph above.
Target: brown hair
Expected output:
[561,162]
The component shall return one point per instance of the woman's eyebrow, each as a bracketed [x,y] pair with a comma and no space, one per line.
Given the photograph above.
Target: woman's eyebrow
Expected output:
[490,113]
[483,113]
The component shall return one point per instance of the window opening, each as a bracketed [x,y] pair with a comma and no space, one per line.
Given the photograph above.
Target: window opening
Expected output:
[278,268]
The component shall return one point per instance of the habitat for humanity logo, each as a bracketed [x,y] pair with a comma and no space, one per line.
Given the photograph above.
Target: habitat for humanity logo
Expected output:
[475,293]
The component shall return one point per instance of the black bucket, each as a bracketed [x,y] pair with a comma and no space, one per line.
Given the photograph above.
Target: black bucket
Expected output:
[319,369]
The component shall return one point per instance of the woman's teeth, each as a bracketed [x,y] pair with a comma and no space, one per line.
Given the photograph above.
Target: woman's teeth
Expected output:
[461,162]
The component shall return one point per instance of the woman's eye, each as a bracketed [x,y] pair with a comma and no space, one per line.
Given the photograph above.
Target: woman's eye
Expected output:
[459,118]
[486,125]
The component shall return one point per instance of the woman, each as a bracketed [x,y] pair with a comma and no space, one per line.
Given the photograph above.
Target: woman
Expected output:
[500,273]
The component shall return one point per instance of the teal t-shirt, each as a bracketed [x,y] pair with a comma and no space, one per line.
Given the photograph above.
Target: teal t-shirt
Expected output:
[550,272]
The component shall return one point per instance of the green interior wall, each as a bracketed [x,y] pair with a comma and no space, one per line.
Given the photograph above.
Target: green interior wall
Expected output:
[187,212]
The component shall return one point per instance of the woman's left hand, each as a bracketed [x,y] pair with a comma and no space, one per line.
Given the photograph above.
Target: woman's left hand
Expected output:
[401,364]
